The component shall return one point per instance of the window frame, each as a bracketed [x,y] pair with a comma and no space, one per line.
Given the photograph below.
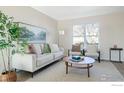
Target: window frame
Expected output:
[80,36]
[84,35]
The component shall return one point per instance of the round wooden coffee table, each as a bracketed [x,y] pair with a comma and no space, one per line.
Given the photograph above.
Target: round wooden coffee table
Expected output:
[86,63]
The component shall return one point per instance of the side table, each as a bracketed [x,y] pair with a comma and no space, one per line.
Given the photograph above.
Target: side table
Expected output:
[115,49]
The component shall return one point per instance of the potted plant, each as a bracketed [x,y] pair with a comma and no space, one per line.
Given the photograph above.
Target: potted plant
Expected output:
[9,35]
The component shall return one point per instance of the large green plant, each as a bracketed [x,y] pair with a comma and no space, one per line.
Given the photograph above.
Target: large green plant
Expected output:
[9,35]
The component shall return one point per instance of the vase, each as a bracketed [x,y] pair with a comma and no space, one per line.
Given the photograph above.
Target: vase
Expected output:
[9,76]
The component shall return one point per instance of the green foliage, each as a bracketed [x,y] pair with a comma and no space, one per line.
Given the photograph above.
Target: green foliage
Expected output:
[3,44]
[23,47]
[14,31]
[9,32]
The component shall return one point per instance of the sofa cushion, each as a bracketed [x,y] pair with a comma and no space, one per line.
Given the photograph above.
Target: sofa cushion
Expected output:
[54,48]
[44,59]
[58,54]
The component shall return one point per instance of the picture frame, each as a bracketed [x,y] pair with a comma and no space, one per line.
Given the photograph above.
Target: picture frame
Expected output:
[32,33]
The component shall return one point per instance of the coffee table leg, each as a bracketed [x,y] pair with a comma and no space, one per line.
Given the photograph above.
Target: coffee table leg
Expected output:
[88,70]
[66,63]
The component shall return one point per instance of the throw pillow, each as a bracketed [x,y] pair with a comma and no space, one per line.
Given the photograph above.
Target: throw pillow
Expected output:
[31,49]
[37,48]
[54,48]
[46,48]
[76,48]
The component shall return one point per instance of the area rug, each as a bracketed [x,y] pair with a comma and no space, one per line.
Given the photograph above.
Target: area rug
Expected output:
[100,72]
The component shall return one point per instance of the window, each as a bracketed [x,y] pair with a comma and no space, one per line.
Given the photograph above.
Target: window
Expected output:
[92,33]
[87,34]
[78,36]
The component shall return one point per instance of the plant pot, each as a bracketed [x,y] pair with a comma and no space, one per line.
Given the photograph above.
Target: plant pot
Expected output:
[9,76]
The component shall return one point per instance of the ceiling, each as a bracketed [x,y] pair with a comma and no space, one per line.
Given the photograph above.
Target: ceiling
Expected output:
[70,12]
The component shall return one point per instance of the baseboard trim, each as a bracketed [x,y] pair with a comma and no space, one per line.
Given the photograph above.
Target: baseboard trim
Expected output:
[111,61]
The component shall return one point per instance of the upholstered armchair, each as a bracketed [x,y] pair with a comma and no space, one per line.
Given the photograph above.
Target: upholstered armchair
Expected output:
[76,50]
[92,51]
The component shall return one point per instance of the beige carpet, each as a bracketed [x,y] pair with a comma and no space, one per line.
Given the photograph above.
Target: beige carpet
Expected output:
[120,67]
[104,71]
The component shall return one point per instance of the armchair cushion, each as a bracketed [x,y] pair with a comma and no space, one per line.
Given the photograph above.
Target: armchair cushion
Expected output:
[75,53]
[92,54]
[92,51]
[92,48]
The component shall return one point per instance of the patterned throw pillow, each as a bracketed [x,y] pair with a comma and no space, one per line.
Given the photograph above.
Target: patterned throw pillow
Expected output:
[31,49]
[46,48]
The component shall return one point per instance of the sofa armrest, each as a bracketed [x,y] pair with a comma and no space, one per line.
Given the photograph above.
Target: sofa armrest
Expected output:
[26,62]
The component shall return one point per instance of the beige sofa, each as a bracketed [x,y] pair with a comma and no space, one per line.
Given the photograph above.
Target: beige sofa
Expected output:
[33,62]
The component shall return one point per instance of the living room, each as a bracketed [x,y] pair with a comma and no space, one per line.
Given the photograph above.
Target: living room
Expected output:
[60,27]
[61,46]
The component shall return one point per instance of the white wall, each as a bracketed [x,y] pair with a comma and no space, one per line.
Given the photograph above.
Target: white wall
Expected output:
[111,31]
[34,17]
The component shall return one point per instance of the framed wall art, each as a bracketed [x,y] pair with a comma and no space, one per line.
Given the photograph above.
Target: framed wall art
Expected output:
[32,34]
